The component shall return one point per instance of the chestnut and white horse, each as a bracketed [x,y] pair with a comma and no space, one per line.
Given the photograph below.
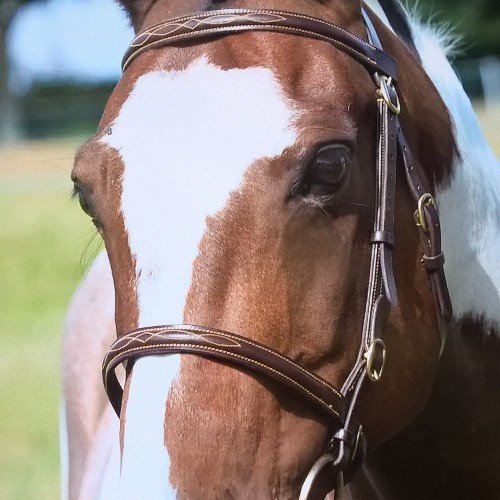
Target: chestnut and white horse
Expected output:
[203,181]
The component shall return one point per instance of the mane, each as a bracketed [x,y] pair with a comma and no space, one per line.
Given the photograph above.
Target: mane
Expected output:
[470,202]
[129,6]
[443,33]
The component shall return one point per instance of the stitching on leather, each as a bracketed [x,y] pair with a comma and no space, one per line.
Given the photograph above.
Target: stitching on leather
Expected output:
[150,32]
[284,358]
[238,28]
[116,361]
[157,330]
[332,41]
[256,11]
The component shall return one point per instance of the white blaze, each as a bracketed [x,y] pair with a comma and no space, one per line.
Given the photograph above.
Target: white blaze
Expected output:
[185,139]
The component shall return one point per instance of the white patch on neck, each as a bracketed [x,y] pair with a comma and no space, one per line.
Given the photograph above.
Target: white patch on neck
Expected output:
[186,139]
[470,206]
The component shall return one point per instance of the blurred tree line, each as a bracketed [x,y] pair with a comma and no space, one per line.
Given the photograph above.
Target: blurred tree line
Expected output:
[477,21]
[9,113]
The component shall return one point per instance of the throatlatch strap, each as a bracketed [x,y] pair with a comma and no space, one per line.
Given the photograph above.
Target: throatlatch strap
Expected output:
[429,228]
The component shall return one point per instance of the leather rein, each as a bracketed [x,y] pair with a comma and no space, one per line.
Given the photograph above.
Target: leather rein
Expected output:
[347,445]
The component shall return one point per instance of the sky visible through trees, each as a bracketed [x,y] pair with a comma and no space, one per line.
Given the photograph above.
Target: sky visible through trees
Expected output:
[86,36]
[82,40]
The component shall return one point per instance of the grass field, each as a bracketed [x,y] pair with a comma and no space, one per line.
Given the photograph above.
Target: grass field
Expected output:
[43,235]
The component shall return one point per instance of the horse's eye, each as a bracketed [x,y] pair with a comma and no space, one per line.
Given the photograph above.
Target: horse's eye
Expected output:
[330,164]
[78,193]
[86,207]
[327,172]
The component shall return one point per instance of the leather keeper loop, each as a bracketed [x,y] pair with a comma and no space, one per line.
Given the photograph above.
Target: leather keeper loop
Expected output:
[384,237]
[346,436]
[433,263]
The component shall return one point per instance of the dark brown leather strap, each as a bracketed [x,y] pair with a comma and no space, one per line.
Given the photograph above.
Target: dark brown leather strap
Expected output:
[227,21]
[383,233]
[427,216]
[221,345]
[429,226]
[381,295]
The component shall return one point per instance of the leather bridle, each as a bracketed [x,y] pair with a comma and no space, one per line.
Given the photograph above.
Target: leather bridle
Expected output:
[347,444]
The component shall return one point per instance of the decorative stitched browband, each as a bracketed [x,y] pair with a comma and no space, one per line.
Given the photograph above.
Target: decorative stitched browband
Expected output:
[346,446]
[226,21]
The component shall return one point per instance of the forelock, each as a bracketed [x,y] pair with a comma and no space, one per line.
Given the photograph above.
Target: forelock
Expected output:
[136,10]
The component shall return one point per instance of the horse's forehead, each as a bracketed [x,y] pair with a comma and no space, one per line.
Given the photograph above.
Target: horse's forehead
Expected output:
[185,139]
[202,101]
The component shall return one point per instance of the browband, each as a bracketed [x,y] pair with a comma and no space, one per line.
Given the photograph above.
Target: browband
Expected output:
[226,21]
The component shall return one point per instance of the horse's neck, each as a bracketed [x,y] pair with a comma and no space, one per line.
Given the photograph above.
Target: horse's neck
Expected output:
[453,449]
[463,413]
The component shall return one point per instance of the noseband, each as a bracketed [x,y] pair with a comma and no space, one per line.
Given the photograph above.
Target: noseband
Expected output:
[347,444]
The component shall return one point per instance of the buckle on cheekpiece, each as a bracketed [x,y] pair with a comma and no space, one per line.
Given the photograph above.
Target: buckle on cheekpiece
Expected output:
[375,360]
[425,200]
[388,93]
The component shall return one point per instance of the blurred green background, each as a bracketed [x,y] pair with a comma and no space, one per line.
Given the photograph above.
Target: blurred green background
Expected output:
[43,237]
[46,242]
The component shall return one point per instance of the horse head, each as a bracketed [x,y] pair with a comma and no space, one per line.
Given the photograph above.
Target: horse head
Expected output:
[233,181]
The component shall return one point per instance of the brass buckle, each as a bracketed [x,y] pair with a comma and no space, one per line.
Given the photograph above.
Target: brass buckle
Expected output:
[425,200]
[388,93]
[373,371]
